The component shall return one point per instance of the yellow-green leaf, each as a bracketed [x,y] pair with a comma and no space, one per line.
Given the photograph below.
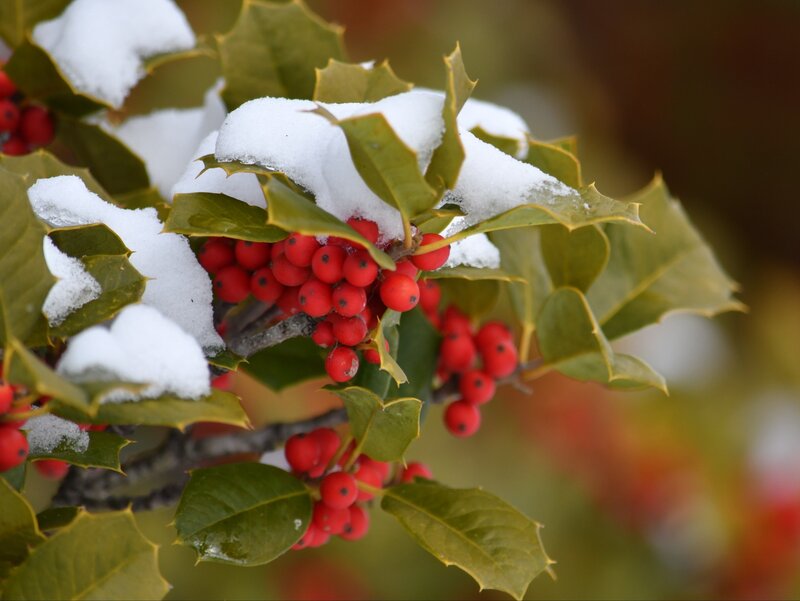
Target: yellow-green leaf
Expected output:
[87,240]
[345,82]
[506,144]
[54,518]
[96,556]
[102,452]
[574,258]
[388,363]
[474,530]
[18,529]
[243,513]
[40,163]
[555,160]
[17,17]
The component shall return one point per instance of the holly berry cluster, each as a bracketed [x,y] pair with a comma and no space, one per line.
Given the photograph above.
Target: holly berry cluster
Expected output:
[343,484]
[337,283]
[23,126]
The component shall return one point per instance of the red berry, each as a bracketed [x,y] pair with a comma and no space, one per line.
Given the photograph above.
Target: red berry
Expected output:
[430,295]
[13,447]
[415,469]
[349,300]
[315,297]
[52,468]
[6,397]
[329,443]
[349,330]
[476,387]
[499,359]
[359,269]
[9,115]
[365,227]
[36,126]
[383,468]
[462,419]
[370,477]
[15,146]
[341,364]
[7,87]
[252,255]
[323,334]
[457,352]
[358,525]
[454,320]
[319,539]
[232,284]
[277,249]
[399,292]
[313,537]
[264,286]
[492,331]
[302,452]
[288,301]
[371,355]
[338,490]
[433,259]
[300,249]
[406,267]
[328,263]
[330,520]
[215,254]
[287,273]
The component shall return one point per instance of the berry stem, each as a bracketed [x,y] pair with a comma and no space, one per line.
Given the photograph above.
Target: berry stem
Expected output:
[354,455]
[378,492]
[408,239]
[339,452]
[525,342]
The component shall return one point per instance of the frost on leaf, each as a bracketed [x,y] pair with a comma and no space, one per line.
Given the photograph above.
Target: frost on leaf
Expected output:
[45,433]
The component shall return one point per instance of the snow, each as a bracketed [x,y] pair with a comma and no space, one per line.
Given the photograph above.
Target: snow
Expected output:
[492,182]
[282,134]
[141,346]
[74,286]
[167,139]
[177,286]
[242,186]
[100,45]
[46,433]
[474,251]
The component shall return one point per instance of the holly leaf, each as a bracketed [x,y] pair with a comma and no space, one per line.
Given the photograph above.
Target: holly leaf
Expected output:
[286,364]
[417,354]
[555,159]
[54,518]
[211,214]
[17,17]
[85,240]
[474,530]
[16,476]
[290,211]
[103,452]
[388,363]
[40,164]
[571,341]
[96,556]
[472,274]
[384,430]
[506,144]
[574,258]
[244,514]
[233,167]
[24,277]
[649,276]
[274,49]
[473,297]
[18,529]
[346,82]
[446,161]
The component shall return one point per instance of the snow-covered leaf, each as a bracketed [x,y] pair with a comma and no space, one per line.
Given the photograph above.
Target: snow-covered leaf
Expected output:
[102,452]
[555,160]
[504,143]
[346,82]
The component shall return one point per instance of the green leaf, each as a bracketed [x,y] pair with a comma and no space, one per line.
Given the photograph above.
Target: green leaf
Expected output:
[40,164]
[293,212]
[18,529]
[474,530]
[570,340]
[84,240]
[475,297]
[648,276]
[274,49]
[17,17]
[386,164]
[233,167]
[121,285]
[118,169]
[507,145]
[371,376]
[97,556]
[574,258]
[209,214]
[388,362]
[16,476]
[23,367]
[446,161]
[555,160]
[56,517]
[37,75]
[384,430]
[286,364]
[144,198]
[24,277]
[434,221]
[103,452]
[226,360]
[345,82]
[472,274]
[244,513]
[417,354]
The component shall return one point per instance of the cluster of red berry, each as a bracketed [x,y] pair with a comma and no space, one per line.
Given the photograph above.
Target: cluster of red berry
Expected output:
[344,484]
[337,283]
[23,126]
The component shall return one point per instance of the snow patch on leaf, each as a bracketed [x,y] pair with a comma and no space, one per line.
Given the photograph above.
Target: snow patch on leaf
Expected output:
[74,286]
[46,433]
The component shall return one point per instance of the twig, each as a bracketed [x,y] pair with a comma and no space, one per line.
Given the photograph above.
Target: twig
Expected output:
[250,342]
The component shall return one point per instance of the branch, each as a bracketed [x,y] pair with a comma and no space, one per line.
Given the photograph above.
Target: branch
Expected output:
[250,342]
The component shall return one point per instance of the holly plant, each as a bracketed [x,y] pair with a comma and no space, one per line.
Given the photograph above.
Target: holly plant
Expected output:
[182,200]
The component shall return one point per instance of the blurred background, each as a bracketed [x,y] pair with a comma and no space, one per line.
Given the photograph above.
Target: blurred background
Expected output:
[695,495]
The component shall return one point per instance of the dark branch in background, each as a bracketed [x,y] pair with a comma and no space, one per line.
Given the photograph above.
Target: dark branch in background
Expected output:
[253,340]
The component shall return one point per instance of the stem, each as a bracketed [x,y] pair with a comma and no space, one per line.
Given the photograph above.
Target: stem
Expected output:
[250,342]
[378,492]
[408,239]
[339,452]
[525,342]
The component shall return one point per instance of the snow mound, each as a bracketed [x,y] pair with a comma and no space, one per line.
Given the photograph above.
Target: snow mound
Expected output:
[46,433]
[177,286]
[474,251]
[74,286]
[100,45]
[496,120]
[141,346]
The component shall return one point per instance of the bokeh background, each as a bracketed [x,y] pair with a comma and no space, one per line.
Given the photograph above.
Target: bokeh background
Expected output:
[695,495]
